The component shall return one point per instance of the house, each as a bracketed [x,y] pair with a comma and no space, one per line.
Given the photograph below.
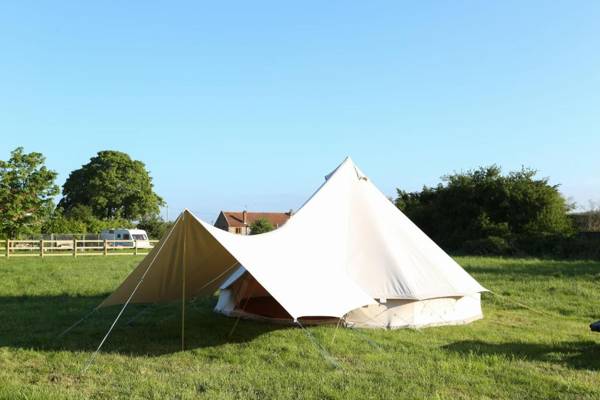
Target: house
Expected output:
[239,221]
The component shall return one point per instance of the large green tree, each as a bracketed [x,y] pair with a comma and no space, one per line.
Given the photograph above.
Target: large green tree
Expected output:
[26,191]
[113,186]
[484,203]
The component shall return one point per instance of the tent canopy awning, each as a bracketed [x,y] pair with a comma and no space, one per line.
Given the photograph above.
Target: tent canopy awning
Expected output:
[207,261]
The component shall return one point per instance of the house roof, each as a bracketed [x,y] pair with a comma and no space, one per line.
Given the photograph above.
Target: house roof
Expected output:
[235,219]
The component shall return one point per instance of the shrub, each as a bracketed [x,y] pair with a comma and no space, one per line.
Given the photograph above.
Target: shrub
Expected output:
[155,226]
[491,245]
[485,211]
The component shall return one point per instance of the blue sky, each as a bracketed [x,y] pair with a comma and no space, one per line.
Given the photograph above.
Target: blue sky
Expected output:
[250,103]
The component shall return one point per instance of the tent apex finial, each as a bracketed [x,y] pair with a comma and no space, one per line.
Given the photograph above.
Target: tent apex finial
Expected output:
[348,160]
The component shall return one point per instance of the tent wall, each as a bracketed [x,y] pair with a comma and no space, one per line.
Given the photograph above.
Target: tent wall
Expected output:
[245,297]
[396,313]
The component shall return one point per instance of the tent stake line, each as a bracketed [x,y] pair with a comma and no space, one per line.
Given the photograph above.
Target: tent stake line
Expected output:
[93,356]
[324,353]
[335,330]
[367,338]
[144,310]
[237,320]
[77,323]
[523,305]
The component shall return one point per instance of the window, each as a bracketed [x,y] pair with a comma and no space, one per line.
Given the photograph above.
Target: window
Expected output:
[238,230]
[118,236]
[139,237]
[126,236]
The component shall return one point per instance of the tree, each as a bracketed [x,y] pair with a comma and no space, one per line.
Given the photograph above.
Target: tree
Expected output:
[485,204]
[26,192]
[113,186]
[260,225]
[80,219]
[58,223]
[155,226]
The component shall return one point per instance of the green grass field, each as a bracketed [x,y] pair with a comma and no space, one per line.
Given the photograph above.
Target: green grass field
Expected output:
[512,353]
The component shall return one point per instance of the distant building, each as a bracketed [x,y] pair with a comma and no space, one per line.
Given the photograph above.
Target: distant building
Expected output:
[239,221]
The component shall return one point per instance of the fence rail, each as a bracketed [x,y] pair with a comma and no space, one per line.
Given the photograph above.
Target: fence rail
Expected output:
[75,248]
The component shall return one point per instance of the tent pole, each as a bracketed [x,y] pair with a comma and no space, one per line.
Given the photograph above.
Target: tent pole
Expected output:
[183,289]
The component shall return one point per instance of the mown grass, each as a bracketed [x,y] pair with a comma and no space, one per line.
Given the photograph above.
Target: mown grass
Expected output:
[513,352]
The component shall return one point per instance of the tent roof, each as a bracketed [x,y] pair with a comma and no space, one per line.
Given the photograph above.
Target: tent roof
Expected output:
[347,245]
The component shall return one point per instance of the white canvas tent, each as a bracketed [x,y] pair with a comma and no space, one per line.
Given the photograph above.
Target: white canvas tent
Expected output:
[348,253]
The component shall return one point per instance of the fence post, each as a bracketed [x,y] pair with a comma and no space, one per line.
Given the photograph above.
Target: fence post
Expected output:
[7,248]
[135,251]
[74,247]
[105,247]
[41,247]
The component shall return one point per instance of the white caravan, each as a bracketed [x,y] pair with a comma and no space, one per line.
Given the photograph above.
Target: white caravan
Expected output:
[127,235]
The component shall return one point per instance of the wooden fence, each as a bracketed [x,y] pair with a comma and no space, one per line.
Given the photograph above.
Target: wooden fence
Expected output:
[74,248]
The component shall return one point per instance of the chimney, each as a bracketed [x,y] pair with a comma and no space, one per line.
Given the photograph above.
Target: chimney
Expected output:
[245,217]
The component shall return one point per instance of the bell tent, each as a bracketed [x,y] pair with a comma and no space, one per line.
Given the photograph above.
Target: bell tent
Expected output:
[347,255]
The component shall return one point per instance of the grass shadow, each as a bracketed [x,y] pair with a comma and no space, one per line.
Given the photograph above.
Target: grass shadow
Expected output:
[575,354]
[34,322]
